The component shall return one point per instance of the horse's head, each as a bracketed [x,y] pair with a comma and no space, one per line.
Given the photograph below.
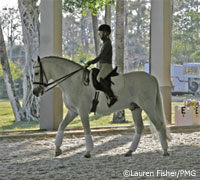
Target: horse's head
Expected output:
[39,75]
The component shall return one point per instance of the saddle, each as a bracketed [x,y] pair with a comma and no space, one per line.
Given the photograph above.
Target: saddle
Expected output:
[95,73]
[96,84]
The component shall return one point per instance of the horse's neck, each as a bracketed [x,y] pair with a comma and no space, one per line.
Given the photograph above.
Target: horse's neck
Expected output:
[57,69]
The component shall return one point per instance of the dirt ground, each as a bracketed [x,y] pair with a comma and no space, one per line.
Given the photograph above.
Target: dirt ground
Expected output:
[33,159]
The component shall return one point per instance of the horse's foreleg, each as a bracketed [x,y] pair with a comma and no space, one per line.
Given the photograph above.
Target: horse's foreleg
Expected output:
[88,137]
[60,133]
[137,117]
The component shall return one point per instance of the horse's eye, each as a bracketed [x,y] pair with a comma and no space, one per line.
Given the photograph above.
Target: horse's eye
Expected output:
[37,73]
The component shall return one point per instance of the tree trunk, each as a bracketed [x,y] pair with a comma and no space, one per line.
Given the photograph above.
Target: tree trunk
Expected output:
[11,52]
[126,43]
[84,33]
[139,21]
[119,117]
[17,110]
[29,13]
[119,35]
[11,42]
[95,32]
[11,49]
[108,15]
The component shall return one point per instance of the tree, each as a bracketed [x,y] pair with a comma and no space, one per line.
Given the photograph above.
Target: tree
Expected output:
[11,29]
[119,50]
[71,33]
[77,37]
[11,26]
[29,13]
[17,110]
[126,46]
[186,44]
[82,6]
[95,30]
[17,76]
[108,14]
[84,33]
[138,26]
[16,72]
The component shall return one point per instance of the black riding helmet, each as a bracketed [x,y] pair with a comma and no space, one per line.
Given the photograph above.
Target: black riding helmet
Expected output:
[105,28]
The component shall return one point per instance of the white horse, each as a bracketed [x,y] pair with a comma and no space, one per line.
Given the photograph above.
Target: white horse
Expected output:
[136,90]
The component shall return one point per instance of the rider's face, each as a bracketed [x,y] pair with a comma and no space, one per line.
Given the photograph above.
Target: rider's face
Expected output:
[101,34]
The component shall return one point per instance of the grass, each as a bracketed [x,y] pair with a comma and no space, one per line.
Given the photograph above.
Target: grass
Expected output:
[7,120]
[99,121]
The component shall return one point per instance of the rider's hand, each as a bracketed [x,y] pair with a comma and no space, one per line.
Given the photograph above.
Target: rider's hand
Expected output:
[88,63]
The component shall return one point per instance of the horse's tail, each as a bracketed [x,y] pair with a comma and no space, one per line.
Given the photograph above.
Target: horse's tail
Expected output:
[161,115]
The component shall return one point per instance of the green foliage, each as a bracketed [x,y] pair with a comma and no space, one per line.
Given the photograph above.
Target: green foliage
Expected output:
[185,35]
[7,122]
[17,73]
[195,56]
[82,56]
[83,5]
[186,25]
[7,119]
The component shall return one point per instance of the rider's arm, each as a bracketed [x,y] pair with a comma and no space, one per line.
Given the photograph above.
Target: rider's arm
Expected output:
[104,52]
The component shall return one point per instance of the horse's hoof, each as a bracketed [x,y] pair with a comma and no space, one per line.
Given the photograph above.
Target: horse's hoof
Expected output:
[87,155]
[166,154]
[58,152]
[129,153]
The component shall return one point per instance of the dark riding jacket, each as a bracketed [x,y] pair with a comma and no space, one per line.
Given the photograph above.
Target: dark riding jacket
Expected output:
[105,55]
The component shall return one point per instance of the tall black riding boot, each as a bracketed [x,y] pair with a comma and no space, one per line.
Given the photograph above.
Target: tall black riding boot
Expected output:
[108,91]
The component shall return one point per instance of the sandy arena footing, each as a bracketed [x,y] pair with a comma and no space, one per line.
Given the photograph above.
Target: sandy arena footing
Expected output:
[33,158]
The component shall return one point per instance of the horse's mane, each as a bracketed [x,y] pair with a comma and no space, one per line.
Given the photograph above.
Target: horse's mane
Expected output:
[63,59]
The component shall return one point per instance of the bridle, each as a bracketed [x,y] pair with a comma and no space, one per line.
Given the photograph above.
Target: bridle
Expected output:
[42,74]
[44,84]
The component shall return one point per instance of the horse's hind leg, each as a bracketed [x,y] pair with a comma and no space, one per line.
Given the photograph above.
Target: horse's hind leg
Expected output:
[137,117]
[60,133]
[164,144]
[162,132]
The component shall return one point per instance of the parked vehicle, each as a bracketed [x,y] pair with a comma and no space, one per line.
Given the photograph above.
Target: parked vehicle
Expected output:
[184,78]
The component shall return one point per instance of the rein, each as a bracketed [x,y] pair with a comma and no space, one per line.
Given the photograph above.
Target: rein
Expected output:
[55,82]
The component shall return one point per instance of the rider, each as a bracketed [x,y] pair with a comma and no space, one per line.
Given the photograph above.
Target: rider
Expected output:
[105,61]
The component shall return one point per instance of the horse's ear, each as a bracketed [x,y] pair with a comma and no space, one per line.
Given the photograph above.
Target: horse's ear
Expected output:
[38,58]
